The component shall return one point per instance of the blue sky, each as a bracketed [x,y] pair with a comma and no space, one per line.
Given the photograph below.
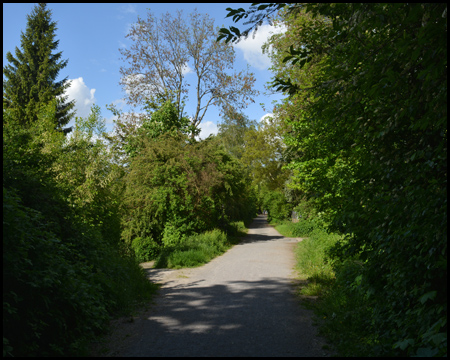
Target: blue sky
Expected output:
[90,36]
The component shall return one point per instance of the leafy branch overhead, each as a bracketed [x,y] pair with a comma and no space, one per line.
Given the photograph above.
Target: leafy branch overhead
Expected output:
[257,12]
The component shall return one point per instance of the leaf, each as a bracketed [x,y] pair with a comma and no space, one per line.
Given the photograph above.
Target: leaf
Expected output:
[404,344]
[426,352]
[428,296]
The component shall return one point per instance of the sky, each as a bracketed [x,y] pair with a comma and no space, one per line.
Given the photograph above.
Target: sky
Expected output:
[90,36]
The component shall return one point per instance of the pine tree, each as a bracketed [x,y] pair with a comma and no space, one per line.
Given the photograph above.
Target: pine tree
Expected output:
[30,76]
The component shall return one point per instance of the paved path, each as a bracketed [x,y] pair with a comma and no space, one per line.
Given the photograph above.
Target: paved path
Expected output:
[239,304]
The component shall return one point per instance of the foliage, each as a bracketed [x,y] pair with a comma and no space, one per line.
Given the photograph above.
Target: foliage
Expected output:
[194,250]
[165,49]
[232,131]
[263,155]
[162,119]
[346,312]
[176,188]
[88,174]
[257,12]
[63,273]
[368,134]
[49,298]
[145,249]
[274,202]
[311,254]
[301,228]
[30,76]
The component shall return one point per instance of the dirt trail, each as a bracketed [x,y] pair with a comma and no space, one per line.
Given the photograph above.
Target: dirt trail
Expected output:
[239,304]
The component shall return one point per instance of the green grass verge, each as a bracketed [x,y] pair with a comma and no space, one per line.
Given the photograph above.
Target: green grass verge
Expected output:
[197,250]
[341,310]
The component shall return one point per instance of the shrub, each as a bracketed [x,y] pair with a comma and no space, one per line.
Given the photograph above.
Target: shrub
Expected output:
[177,187]
[277,207]
[303,227]
[172,236]
[145,249]
[51,300]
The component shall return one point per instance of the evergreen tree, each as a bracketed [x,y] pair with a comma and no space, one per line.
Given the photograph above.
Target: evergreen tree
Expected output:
[30,76]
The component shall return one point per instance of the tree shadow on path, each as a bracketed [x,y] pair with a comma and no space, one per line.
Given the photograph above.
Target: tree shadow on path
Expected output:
[234,317]
[238,318]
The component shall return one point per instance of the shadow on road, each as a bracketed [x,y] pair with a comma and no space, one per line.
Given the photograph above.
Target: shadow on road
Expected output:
[260,222]
[239,318]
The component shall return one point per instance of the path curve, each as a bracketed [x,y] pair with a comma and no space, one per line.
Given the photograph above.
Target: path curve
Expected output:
[239,304]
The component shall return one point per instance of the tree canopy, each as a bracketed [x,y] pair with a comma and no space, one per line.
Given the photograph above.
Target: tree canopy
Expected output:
[31,75]
[166,52]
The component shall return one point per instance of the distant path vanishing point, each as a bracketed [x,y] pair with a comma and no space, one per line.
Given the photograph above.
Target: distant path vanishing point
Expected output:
[240,304]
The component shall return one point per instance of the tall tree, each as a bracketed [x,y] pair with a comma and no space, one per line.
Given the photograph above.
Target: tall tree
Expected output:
[166,51]
[31,75]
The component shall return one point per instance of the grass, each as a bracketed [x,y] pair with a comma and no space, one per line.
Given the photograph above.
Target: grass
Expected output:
[341,310]
[197,250]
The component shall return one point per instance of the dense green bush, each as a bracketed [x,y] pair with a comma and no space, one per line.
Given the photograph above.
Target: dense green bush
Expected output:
[176,187]
[348,311]
[369,147]
[51,300]
[276,205]
[64,271]
[145,249]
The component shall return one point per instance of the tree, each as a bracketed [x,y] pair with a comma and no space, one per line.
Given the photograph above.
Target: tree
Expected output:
[193,187]
[161,118]
[232,131]
[370,130]
[30,76]
[64,273]
[263,154]
[164,53]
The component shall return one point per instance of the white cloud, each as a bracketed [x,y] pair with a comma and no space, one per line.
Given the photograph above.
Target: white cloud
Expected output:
[207,128]
[251,47]
[263,118]
[186,69]
[83,96]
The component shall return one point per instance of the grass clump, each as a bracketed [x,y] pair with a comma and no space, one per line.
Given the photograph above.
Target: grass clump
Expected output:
[342,308]
[199,249]
[302,228]
[311,254]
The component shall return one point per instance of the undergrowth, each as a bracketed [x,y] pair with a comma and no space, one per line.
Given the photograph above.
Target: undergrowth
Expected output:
[199,249]
[331,290]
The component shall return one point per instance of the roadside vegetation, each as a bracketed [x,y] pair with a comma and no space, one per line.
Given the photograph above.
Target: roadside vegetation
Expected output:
[357,149]
[197,250]
[364,128]
[82,208]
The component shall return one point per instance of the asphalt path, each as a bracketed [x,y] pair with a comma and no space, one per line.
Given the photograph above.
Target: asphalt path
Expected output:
[240,304]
